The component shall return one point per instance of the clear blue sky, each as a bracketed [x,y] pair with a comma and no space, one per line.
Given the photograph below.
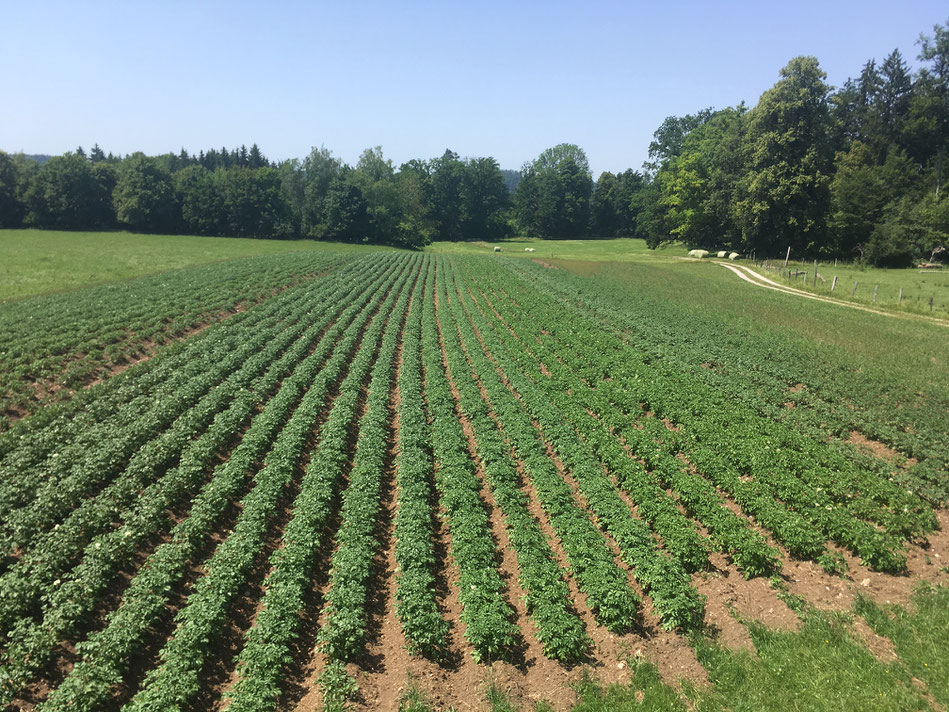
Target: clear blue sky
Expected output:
[505,79]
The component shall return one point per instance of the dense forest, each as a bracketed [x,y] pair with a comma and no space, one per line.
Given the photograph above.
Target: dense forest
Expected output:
[854,172]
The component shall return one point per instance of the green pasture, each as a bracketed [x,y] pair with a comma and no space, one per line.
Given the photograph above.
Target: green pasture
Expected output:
[40,261]
[905,350]
[611,250]
[918,285]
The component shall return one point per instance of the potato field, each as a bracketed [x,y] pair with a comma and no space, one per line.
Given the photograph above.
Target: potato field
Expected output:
[312,480]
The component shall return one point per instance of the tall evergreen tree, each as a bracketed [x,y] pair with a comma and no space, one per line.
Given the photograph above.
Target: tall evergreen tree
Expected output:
[11,209]
[893,100]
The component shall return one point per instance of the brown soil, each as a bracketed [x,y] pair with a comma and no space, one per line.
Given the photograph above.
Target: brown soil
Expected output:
[49,389]
[547,265]
[878,449]
[732,598]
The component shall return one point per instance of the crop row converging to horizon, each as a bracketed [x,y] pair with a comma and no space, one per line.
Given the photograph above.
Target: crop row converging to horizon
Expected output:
[438,410]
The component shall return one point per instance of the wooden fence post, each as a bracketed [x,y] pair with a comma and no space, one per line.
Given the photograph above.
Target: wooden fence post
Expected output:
[815,273]
[875,288]
[901,296]
[787,256]
[834,283]
[854,290]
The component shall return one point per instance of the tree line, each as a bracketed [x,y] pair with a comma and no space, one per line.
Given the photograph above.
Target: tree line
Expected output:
[855,172]
[241,193]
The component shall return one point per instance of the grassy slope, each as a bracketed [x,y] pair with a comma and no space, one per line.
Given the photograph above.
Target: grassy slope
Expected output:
[41,261]
[911,352]
[616,250]
[918,285]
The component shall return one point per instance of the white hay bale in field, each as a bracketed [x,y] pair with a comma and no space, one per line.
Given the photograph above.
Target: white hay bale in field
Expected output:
[529,249]
[723,253]
[698,253]
[497,249]
[733,256]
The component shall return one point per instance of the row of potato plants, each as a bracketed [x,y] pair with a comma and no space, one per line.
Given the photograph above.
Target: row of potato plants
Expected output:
[262,662]
[424,627]
[558,627]
[761,490]
[607,429]
[653,504]
[53,549]
[105,656]
[176,681]
[75,470]
[31,441]
[611,600]
[840,396]
[74,337]
[68,600]
[244,363]
[656,444]
[805,449]
[87,313]
[706,437]
[23,481]
[649,439]
[45,440]
[510,356]
[486,614]
[676,601]
[342,636]
[679,534]
[149,513]
[54,324]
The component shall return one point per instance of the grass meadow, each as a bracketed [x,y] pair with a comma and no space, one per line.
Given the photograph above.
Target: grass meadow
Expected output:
[43,261]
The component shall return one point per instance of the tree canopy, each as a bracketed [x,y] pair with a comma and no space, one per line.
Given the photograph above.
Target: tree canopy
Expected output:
[851,172]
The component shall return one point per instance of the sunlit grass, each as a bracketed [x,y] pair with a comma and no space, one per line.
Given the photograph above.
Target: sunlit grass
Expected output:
[920,636]
[41,261]
[611,250]
[918,285]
